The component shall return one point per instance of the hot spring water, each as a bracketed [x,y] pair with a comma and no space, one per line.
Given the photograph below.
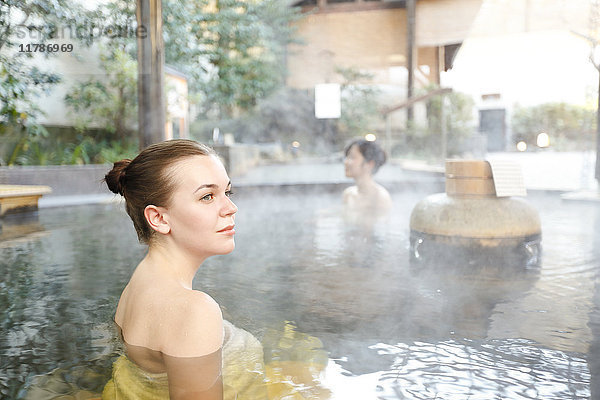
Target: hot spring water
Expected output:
[307,283]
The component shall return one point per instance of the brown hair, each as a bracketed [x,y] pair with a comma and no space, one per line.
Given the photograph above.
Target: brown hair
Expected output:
[147,179]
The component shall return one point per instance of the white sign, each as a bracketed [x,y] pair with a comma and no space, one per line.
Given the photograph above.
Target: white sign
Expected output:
[508,178]
[328,102]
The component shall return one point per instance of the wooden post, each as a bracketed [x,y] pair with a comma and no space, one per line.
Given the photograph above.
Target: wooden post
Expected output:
[597,172]
[388,135]
[444,128]
[411,54]
[151,104]
[439,64]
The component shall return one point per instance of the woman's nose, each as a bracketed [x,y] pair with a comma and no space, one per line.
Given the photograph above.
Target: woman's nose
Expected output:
[229,208]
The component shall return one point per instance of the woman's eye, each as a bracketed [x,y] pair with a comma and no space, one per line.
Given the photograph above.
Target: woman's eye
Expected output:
[228,193]
[207,197]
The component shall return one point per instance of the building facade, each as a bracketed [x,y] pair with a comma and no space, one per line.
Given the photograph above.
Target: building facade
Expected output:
[372,36]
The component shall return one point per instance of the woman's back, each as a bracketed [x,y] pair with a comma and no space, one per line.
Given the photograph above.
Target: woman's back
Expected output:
[157,315]
[170,329]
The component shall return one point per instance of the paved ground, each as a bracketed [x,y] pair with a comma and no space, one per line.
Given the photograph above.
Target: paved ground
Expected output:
[314,171]
[546,170]
[570,172]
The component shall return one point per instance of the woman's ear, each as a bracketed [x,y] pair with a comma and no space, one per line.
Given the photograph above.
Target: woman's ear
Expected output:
[155,216]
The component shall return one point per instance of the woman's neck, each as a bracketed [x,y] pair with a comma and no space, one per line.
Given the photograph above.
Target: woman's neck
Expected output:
[365,183]
[173,264]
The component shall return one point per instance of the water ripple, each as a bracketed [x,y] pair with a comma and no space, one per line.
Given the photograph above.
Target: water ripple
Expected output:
[512,369]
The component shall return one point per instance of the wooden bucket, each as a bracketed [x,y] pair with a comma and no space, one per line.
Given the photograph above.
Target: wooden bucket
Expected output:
[469,178]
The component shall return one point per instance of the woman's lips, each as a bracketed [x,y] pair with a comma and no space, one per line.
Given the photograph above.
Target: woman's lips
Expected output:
[228,230]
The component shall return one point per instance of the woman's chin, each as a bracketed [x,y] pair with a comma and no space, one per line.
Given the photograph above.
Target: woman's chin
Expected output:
[230,248]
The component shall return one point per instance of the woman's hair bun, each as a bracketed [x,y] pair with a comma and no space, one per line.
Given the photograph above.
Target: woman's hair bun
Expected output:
[115,179]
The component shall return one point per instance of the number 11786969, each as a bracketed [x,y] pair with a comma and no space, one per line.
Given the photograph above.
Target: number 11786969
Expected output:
[45,48]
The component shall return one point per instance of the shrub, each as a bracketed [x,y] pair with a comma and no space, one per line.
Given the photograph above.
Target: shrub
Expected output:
[569,126]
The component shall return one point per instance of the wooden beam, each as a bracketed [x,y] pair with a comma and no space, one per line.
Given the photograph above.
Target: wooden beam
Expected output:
[414,100]
[323,8]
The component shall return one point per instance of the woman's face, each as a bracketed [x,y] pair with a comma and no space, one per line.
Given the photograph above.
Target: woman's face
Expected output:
[355,164]
[201,214]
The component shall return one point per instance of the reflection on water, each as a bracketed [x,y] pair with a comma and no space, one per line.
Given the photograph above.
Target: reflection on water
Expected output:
[508,369]
[337,307]
[19,226]
[57,294]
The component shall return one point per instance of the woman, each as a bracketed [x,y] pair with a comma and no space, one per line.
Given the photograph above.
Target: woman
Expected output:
[177,195]
[363,159]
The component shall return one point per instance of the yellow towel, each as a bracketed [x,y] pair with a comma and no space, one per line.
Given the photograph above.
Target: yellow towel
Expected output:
[245,376]
[131,382]
[243,365]
[243,373]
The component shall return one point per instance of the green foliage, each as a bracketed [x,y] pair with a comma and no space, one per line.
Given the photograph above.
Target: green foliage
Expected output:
[17,138]
[110,103]
[285,116]
[20,87]
[458,117]
[118,150]
[22,84]
[82,149]
[425,140]
[360,109]
[570,127]
[24,20]
[117,13]
[233,51]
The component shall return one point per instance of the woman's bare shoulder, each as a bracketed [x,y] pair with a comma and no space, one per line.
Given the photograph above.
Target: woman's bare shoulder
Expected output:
[384,200]
[384,192]
[164,316]
[192,325]
[350,189]
[349,193]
